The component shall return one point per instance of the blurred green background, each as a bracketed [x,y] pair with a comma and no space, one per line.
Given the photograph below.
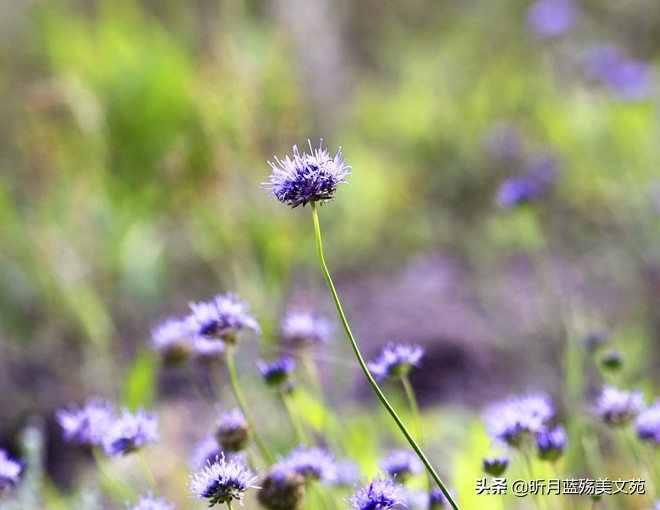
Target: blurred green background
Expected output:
[135,135]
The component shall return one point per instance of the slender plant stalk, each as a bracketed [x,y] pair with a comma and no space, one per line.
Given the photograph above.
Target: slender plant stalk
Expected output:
[120,487]
[294,419]
[229,504]
[147,472]
[233,379]
[414,411]
[363,365]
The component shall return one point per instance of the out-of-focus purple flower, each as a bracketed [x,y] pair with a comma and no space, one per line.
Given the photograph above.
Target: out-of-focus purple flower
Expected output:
[626,78]
[232,431]
[401,464]
[503,142]
[312,464]
[380,494]
[278,372]
[551,443]
[301,329]
[222,481]
[151,503]
[204,452]
[171,340]
[129,432]
[222,318]
[546,19]
[516,418]
[647,424]
[437,499]
[396,360]
[307,177]
[207,350]
[282,489]
[541,171]
[495,466]
[86,426]
[617,408]
[9,471]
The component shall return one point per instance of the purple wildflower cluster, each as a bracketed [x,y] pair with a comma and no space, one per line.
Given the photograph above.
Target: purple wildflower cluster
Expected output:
[278,372]
[546,19]
[401,464]
[151,503]
[626,78]
[311,463]
[222,481]
[540,172]
[302,329]
[10,469]
[380,494]
[395,361]
[617,408]
[516,418]
[647,425]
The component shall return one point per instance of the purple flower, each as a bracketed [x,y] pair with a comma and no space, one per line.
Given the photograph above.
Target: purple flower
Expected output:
[495,466]
[222,481]
[617,408]
[220,319]
[312,464]
[232,431]
[88,425]
[282,489]
[204,452]
[170,338]
[307,177]
[626,78]
[511,420]
[395,361]
[9,471]
[517,190]
[401,464]
[278,372]
[151,503]
[380,494]
[129,432]
[301,329]
[546,19]
[437,499]
[208,350]
[550,444]
[647,424]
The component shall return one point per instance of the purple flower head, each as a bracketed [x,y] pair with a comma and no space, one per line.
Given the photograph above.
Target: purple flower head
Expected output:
[437,499]
[617,408]
[301,329]
[86,426]
[626,78]
[129,432]
[282,489]
[9,471]
[222,481]
[380,494]
[647,424]
[232,431]
[347,473]
[170,338]
[551,443]
[307,177]
[517,190]
[151,503]
[204,452]
[546,19]
[495,466]
[516,418]
[312,464]
[278,372]
[395,361]
[401,464]
[208,350]
[220,319]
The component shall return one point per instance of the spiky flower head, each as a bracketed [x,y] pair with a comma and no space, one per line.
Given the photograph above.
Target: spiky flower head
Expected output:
[395,361]
[86,426]
[495,466]
[222,481]
[513,420]
[617,408]
[151,503]
[129,432]
[232,431]
[647,425]
[222,318]
[305,178]
[9,471]
[278,372]
[302,329]
[171,340]
[380,494]
[312,464]
[282,489]
[401,464]
[550,444]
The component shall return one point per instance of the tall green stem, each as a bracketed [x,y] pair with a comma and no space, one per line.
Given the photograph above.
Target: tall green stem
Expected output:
[293,418]
[414,411]
[363,365]
[233,380]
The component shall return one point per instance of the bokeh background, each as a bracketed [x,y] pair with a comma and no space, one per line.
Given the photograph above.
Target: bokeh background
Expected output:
[135,135]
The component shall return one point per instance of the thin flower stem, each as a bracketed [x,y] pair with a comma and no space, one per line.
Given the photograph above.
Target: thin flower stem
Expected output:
[147,472]
[293,418]
[233,379]
[363,365]
[414,411]
[229,504]
[120,487]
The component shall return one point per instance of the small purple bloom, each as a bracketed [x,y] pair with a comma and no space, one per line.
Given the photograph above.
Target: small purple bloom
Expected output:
[208,350]
[347,473]
[495,466]
[437,499]
[511,420]
[9,471]
[204,452]
[401,464]
[550,444]
[626,78]
[517,190]
[170,338]
[306,177]
[395,361]
[312,464]
[380,494]
[281,489]
[86,426]
[301,329]
[647,424]
[232,431]
[617,408]
[222,481]
[546,19]
[278,372]
[151,503]
[129,432]
[220,319]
